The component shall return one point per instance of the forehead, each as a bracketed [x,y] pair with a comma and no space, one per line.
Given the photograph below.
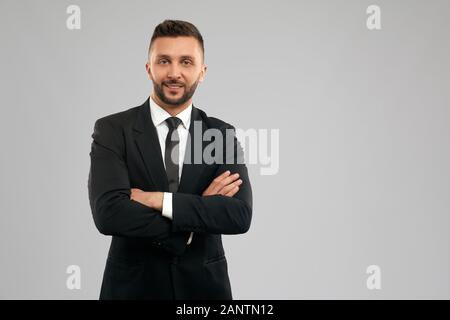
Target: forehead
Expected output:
[176,47]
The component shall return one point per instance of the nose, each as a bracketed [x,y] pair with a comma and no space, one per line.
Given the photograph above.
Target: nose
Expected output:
[174,72]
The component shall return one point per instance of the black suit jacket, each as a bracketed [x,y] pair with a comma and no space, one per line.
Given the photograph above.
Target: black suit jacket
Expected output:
[148,257]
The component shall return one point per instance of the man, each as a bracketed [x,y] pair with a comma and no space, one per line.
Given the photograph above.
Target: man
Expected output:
[154,189]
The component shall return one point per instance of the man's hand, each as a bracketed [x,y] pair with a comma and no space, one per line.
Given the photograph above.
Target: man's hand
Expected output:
[150,199]
[226,184]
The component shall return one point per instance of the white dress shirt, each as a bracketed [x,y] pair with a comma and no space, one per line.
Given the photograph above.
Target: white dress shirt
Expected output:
[159,116]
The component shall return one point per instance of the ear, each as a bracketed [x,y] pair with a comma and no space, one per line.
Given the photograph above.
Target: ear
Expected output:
[203,73]
[147,67]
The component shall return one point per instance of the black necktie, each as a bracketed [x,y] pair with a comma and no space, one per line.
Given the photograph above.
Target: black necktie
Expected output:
[171,154]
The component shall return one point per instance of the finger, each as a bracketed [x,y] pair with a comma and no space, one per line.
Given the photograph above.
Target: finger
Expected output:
[230,187]
[229,179]
[225,182]
[222,176]
[232,192]
[215,185]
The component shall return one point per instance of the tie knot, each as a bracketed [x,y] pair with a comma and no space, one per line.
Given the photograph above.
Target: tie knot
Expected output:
[173,122]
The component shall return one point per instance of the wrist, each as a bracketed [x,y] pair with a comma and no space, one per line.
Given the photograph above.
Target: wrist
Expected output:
[156,200]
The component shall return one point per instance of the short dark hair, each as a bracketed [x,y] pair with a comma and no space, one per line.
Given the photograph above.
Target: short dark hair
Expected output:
[177,28]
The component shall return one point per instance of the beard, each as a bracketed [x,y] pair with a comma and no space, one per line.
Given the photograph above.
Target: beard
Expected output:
[188,92]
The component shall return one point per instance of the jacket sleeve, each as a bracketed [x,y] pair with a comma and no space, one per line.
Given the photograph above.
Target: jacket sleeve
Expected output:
[109,190]
[217,214]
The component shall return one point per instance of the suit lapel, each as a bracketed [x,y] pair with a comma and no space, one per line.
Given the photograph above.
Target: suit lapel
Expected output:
[148,144]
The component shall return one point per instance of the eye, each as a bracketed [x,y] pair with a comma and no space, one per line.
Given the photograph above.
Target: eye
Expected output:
[162,61]
[187,62]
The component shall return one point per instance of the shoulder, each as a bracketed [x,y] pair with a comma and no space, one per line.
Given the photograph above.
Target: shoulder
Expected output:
[213,122]
[112,126]
[119,118]
[228,131]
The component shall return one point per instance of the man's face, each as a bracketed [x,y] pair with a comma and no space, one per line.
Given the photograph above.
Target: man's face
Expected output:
[175,67]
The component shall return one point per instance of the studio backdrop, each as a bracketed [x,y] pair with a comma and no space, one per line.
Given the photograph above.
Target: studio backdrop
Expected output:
[343,109]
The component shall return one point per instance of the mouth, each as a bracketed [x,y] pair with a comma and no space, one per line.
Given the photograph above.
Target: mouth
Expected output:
[173,87]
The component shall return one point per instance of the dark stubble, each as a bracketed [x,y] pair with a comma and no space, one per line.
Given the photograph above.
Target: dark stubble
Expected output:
[188,93]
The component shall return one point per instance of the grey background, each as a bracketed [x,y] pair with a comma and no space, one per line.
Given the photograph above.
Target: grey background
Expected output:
[364,124]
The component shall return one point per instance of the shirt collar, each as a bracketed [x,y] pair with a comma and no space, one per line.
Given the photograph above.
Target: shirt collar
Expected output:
[159,115]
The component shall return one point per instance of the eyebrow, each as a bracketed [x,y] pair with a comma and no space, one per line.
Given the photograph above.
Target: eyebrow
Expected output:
[168,57]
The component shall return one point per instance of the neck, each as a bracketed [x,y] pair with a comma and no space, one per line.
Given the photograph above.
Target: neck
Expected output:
[169,108]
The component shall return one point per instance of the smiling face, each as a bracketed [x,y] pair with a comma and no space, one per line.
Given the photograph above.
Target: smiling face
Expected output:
[175,66]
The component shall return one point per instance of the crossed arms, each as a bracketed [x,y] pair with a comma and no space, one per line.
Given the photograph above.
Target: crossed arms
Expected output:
[226,184]
[225,207]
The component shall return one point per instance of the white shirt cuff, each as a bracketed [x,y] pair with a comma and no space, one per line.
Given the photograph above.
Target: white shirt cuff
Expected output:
[167,205]
[167,210]
[190,238]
